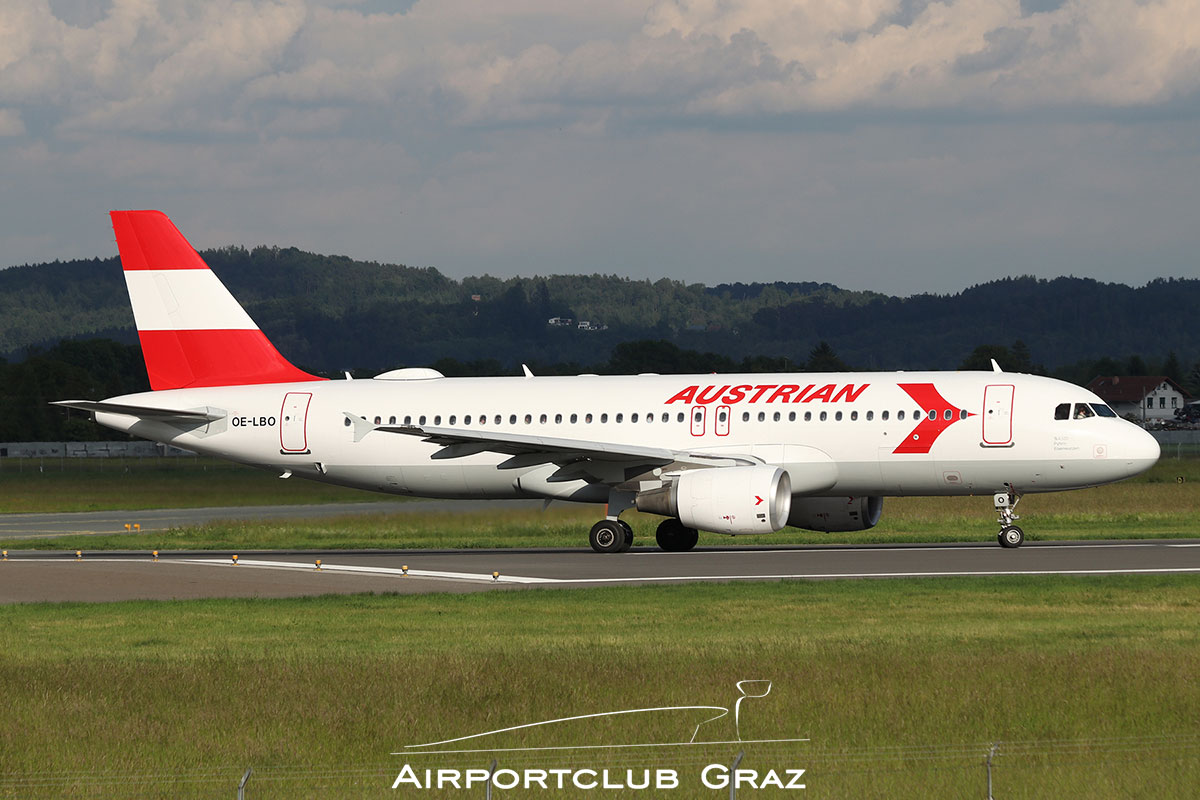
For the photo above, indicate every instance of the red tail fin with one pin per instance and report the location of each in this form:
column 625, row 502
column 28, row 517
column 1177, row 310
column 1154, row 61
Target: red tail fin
column 193, row 332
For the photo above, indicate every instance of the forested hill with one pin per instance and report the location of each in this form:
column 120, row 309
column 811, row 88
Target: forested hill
column 330, row 313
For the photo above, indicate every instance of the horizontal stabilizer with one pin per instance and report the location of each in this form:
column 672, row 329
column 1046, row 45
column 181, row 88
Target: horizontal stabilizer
column 143, row 412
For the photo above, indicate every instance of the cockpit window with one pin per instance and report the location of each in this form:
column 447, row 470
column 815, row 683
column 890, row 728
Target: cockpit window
column 1062, row 411
column 1083, row 411
column 1103, row 410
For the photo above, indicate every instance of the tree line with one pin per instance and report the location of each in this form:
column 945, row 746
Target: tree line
column 94, row 369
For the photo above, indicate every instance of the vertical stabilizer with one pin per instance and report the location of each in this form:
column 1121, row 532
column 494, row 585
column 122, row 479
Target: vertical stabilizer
column 193, row 332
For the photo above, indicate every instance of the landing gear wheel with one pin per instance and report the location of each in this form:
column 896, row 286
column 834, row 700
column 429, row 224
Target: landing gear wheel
column 1011, row 536
column 675, row 537
column 628, row 535
column 608, row 536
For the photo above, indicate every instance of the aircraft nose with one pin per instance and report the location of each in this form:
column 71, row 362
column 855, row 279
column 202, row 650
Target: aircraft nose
column 1139, row 450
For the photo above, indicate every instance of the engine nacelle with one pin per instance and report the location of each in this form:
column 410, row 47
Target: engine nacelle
column 835, row 513
column 724, row 499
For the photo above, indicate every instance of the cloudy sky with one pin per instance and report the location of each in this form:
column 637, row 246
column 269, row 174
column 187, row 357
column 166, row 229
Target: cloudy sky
column 897, row 145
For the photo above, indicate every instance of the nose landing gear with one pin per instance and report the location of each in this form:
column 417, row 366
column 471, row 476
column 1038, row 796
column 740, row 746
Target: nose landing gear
column 1006, row 503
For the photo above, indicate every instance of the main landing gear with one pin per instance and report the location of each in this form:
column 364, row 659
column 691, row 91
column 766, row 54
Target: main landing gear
column 675, row 537
column 611, row 536
column 1006, row 503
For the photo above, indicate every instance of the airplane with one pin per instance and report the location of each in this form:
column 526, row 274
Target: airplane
column 732, row 454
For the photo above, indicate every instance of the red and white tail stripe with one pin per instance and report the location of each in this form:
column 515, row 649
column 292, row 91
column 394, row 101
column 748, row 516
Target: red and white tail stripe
column 193, row 332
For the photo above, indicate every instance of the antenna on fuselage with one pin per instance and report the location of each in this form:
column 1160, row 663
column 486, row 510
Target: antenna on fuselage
column 995, row 366
column 528, row 372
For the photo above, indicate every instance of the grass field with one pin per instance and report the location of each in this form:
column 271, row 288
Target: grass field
column 1155, row 505
column 1090, row 685
column 106, row 484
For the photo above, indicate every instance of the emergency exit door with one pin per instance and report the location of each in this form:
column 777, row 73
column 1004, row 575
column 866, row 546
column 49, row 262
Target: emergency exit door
column 293, row 422
column 997, row 415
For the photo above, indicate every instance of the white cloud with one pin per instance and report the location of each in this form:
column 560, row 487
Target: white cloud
column 642, row 138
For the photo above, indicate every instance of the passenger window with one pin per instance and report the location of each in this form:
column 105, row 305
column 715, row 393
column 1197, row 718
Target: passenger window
column 512, row 419
column 391, row 420
column 633, row 417
column 1062, row 411
column 588, row 418
column 762, row 416
column 558, row 419
column 620, row 417
column 421, row 420
column 824, row 416
column 883, row 416
column 679, row 417
column 962, row 414
column 437, row 419
column 574, row 418
column 808, row 416
column 870, row 416
column 900, row 416
column 467, row 419
column 347, row 422
column 745, row 416
column 948, row 415
column 776, row 417
column 378, row 420
column 791, row 416
column 452, row 418
column 604, row 417
column 721, row 417
column 650, row 417
column 853, row 416
column 528, row 419
column 666, row 416
column 838, row 416
column 497, row 419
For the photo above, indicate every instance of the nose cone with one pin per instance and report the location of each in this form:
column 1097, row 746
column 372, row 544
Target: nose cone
column 1137, row 451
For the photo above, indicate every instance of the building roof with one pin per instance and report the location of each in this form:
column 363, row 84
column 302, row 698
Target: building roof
column 1130, row 388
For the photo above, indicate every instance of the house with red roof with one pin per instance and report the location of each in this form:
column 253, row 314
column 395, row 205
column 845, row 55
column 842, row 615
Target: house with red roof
column 1146, row 397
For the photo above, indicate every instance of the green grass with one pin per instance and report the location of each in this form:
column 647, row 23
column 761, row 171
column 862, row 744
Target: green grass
column 1155, row 505
column 302, row 689
column 107, row 484
column 1152, row 506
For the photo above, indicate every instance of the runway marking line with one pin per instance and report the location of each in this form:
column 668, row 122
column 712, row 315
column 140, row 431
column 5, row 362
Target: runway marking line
column 412, row 573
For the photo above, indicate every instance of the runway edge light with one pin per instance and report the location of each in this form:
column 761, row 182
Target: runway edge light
column 235, row 559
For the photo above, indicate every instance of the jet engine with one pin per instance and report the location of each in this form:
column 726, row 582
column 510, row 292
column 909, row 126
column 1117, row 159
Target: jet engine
column 724, row 499
column 835, row 513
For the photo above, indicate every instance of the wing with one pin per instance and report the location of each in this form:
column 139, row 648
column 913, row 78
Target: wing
column 608, row 462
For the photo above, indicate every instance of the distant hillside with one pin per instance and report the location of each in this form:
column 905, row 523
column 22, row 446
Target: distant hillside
column 331, row 313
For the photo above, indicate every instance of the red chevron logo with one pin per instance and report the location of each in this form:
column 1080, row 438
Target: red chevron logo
column 937, row 408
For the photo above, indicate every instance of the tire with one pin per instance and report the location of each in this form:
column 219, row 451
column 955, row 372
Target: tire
column 628, row 536
column 607, row 536
column 1011, row 536
column 675, row 537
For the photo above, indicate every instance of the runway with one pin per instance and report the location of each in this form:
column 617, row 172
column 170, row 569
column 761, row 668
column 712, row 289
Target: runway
column 30, row 577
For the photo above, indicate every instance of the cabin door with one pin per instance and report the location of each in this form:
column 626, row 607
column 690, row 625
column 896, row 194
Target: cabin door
column 293, row 422
column 997, row 415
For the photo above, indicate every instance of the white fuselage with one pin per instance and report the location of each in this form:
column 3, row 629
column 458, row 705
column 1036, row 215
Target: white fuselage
column 838, row 434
